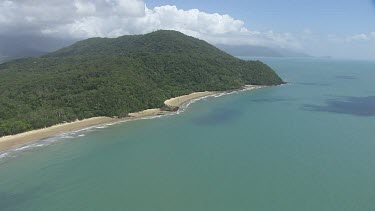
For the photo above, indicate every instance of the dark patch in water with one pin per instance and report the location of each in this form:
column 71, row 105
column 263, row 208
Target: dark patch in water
column 219, row 116
column 358, row 106
column 346, row 77
column 9, row 200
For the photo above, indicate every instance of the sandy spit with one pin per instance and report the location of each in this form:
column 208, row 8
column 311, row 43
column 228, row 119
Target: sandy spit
column 14, row 141
column 181, row 100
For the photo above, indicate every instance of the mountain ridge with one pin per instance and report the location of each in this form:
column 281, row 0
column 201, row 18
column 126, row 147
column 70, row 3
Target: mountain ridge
column 117, row 76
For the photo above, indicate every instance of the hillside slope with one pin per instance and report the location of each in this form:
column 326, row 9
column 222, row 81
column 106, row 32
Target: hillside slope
column 113, row 77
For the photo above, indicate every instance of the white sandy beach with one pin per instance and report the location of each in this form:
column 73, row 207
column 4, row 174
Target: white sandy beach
column 13, row 141
column 8, row 142
column 179, row 101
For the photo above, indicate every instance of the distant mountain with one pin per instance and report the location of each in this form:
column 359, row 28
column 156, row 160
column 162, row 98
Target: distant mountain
column 12, row 53
column 291, row 53
column 113, row 77
column 23, row 46
column 259, row 51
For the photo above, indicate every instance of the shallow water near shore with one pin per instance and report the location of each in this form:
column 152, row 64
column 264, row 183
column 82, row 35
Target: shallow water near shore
column 307, row 145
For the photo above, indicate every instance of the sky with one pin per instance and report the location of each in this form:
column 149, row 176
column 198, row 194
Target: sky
column 337, row 28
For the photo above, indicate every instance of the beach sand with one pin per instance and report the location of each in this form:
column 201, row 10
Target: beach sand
column 8, row 142
column 14, row 141
column 181, row 100
column 146, row 113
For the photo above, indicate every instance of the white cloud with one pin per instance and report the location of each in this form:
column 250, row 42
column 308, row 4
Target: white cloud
column 85, row 8
column 135, row 8
column 111, row 18
column 358, row 37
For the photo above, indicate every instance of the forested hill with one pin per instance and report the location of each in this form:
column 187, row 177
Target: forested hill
column 116, row 76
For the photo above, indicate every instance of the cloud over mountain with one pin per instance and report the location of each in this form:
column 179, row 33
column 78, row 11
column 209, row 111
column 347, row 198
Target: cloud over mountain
column 80, row 19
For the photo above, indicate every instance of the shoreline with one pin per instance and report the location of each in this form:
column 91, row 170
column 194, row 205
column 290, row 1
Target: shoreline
column 19, row 140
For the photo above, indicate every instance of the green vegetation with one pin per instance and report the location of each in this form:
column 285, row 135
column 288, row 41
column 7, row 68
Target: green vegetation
column 113, row 77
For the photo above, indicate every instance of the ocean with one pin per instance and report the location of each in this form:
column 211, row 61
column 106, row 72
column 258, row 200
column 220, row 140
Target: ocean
column 305, row 146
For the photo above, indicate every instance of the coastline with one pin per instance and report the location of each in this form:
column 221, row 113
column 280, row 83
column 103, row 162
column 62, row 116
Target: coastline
column 19, row 140
column 13, row 141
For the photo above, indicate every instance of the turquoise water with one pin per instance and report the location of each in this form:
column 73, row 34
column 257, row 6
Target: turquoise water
column 308, row 145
